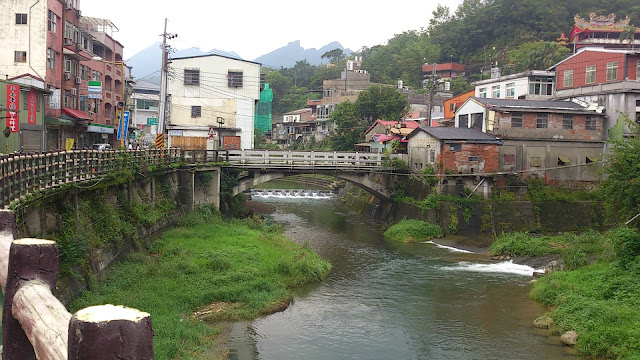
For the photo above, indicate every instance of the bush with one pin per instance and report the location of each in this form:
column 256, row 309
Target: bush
column 626, row 244
column 408, row 231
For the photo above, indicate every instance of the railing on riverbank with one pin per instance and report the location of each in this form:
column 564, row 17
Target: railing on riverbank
column 23, row 174
column 35, row 324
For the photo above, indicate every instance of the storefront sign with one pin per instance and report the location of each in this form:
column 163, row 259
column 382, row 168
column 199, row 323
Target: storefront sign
column 69, row 144
column 102, row 129
column 13, row 102
column 54, row 99
column 31, row 114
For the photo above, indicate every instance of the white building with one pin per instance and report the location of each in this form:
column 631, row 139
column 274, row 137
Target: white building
column 530, row 85
column 145, row 97
column 212, row 91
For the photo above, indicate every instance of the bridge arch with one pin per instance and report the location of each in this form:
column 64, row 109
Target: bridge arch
column 378, row 184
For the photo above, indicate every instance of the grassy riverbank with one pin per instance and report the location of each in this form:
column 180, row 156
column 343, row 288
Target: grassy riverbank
column 408, row 231
column 207, row 269
column 598, row 293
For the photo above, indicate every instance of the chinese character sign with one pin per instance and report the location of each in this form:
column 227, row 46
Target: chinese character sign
column 13, row 100
column 31, row 115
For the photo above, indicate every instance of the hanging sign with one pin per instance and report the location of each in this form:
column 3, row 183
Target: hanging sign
column 31, row 114
column 13, row 100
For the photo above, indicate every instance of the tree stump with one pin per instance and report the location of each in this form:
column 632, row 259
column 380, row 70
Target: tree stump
column 109, row 332
column 29, row 259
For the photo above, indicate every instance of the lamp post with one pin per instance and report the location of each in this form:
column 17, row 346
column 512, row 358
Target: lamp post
column 120, row 112
column 220, row 121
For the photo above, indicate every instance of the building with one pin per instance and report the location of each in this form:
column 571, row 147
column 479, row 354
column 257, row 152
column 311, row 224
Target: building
column 601, row 31
column 145, row 103
column 530, row 85
column 24, row 129
column 213, row 94
column 446, row 71
column 607, row 77
column 451, row 105
column 539, row 135
column 347, row 88
column 382, row 135
column 51, row 40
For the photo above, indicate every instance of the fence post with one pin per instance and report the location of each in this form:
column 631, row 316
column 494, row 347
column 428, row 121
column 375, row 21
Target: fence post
column 29, row 259
column 108, row 332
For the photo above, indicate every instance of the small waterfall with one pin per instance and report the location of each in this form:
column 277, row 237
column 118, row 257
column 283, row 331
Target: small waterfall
column 291, row 193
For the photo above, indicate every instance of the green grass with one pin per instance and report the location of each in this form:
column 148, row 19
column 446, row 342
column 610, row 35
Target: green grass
column 245, row 268
column 407, row 231
column 601, row 302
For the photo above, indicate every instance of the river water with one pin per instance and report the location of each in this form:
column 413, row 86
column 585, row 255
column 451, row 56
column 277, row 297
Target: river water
column 385, row 301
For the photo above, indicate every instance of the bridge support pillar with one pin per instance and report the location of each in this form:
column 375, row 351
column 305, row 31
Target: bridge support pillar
column 186, row 184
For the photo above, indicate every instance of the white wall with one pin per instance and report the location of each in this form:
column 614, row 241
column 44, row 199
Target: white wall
column 16, row 37
column 468, row 108
column 521, row 88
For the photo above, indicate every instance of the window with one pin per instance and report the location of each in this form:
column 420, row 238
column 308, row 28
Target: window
column 51, row 59
column 463, row 121
column 542, row 121
column 20, row 56
column 590, row 123
column 192, row 76
column 452, row 107
column 516, row 120
column 541, row 85
column 612, row 71
column 196, row 111
column 52, row 21
column 563, row 160
column 477, row 120
column 483, row 92
column 68, row 30
column 495, row 91
column 455, row 147
column 21, row 19
column 234, row 78
column 84, row 72
column 96, row 76
column 472, row 158
column 638, row 70
column 147, row 104
column 511, row 90
column 567, row 122
column 567, row 81
column 432, row 156
column 71, row 66
column 590, row 76
column 96, row 106
column 25, row 104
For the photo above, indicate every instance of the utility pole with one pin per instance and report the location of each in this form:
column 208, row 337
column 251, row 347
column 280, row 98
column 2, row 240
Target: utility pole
column 432, row 85
column 163, row 89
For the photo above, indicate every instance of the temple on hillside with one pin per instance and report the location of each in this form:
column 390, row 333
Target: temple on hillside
column 602, row 31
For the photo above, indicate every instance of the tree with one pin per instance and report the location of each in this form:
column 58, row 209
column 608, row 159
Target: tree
column 629, row 33
column 538, row 55
column 381, row 102
column 622, row 184
column 334, row 56
column 350, row 127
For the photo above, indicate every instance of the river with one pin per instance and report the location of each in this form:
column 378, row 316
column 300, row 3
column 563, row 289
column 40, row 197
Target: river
column 386, row 301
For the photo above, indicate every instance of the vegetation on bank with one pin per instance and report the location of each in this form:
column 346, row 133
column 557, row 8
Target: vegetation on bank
column 408, row 231
column 207, row 269
column 598, row 293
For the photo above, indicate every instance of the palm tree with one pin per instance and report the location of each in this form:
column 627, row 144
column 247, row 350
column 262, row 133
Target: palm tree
column 628, row 33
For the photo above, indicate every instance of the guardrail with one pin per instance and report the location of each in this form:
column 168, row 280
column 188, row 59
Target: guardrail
column 306, row 159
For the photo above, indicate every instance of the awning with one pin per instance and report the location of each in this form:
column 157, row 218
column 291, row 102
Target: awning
column 80, row 115
column 57, row 121
column 565, row 160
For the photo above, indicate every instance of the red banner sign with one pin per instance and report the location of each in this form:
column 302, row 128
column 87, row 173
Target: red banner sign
column 31, row 115
column 13, row 102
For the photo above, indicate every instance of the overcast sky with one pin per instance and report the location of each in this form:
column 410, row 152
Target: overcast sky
column 253, row 28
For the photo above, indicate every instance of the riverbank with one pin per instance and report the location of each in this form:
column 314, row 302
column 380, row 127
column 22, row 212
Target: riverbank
column 205, row 271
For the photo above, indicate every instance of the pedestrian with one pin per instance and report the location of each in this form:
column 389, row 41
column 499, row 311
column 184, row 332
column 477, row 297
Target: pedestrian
column 130, row 146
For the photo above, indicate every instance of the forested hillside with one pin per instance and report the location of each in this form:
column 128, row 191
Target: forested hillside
column 517, row 34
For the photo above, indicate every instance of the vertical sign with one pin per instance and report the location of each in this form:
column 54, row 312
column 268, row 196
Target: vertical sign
column 31, row 114
column 13, row 100
column 125, row 125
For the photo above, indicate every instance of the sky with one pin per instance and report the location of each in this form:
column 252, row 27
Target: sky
column 254, row 28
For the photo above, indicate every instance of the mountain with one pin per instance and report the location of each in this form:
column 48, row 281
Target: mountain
column 146, row 63
column 287, row 56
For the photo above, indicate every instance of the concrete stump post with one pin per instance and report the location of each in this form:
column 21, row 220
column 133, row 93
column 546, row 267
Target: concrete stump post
column 109, row 332
column 29, row 259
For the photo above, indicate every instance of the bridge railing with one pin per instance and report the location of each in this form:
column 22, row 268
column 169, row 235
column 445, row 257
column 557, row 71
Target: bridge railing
column 21, row 174
column 315, row 159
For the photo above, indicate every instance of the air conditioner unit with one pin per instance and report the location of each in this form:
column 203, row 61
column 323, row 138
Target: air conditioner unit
column 78, row 13
column 67, row 76
column 68, row 42
column 78, row 80
column 74, row 92
column 68, row 5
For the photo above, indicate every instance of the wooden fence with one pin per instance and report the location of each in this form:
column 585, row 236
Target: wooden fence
column 35, row 325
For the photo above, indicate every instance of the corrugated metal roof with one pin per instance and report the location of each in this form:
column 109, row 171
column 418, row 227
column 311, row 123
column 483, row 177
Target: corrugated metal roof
column 513, row 104
column 459, row 134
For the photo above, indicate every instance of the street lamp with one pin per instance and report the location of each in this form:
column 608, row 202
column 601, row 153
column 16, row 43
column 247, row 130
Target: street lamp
column 121, row 65
column 220, row 121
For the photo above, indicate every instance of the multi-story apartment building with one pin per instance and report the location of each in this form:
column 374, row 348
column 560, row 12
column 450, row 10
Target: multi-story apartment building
column 52, row 41
column 608, row 77
column 530, row 85
column 213, row 94
column 145, row 104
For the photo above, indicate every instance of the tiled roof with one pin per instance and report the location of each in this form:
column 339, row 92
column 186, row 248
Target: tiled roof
column 459, row 134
